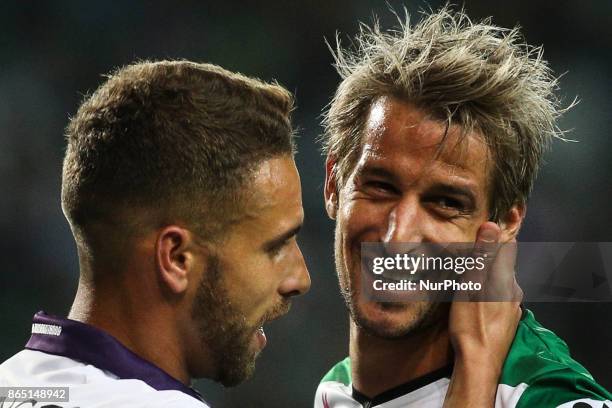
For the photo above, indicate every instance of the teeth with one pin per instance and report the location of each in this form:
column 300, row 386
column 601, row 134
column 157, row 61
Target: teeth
column 397, row 275
column 261, row 330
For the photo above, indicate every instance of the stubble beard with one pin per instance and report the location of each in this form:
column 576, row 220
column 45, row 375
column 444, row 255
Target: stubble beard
column 223, row 328
column 423, row 316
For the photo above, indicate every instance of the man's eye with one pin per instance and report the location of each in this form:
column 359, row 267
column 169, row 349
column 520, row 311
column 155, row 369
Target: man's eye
column 448, row 203
column 275, row 250
column 380, row 186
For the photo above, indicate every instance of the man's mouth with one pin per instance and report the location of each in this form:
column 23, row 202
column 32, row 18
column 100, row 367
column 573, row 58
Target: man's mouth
column 397, row 276
column 260, row 335
column 390, row 275
column 274, row 314
column 413, row 266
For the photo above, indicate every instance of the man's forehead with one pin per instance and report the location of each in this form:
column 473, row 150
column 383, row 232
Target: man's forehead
column 449, row 157
column 274, row 192
column 271, row 203
column 400, row 134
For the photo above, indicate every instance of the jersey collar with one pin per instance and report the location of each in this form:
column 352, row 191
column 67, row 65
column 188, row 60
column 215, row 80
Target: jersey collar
column 403, row 389
column 89, row 345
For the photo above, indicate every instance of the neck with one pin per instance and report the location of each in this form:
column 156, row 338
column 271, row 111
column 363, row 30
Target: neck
column 380, row 364
column 141, row 326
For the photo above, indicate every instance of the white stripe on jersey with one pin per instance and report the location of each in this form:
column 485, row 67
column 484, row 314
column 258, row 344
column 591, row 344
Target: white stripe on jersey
column 88, row 386
column 333, row 394
column 507, row 396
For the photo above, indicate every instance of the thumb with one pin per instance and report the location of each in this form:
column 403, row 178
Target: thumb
column 485, row 249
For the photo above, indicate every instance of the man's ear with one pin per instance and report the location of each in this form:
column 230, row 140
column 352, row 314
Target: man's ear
column 175, row 258
column 330, row 192
column 510, row 223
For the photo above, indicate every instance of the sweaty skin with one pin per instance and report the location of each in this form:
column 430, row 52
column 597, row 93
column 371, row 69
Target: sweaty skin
column 405, row 188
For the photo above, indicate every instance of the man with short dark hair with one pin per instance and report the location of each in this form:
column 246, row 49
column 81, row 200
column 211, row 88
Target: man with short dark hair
column 184, row 201
column 183, row 197
column 434, row 137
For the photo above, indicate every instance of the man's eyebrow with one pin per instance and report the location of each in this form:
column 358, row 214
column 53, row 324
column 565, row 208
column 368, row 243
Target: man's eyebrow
column 285, row 236
column 454, row 189
column 438, row 187
column 375, row 171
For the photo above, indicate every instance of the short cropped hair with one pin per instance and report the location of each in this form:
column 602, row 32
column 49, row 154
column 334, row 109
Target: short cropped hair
column 172, row 138
column 480, row 76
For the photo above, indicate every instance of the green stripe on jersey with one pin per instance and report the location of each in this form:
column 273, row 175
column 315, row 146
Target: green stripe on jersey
column 341, row 372
column 542, row 360
column 537, row 358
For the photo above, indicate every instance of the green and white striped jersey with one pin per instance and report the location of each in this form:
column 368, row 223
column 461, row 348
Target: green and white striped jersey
column 538, row 372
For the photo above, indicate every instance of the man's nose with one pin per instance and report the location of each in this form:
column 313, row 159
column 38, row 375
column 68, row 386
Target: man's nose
column 297, row 282
column 404, row 222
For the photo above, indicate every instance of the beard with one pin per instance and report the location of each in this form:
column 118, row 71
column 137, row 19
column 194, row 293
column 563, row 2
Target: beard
column 423, row 317
column 420, row 316
column 224, row 329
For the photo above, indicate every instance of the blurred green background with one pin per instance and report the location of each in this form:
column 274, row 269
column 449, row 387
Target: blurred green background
column 54, row 52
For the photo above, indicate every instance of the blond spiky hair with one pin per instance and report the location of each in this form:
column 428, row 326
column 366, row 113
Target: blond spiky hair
column 480, row 76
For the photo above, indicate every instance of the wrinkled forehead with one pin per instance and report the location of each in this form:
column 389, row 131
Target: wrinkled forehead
column 401, row 133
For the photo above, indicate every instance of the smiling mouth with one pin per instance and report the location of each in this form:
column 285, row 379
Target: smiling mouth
column 397, row 276
column 389, row 275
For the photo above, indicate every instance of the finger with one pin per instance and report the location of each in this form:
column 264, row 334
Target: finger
column 518, row 293
column 484, row 252
column 501, row 280
column 486, row 239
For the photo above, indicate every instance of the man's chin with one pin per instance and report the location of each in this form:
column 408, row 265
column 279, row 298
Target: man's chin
column 392, row 320
column 235, row 378
column 236, row 356
column 236, row 370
